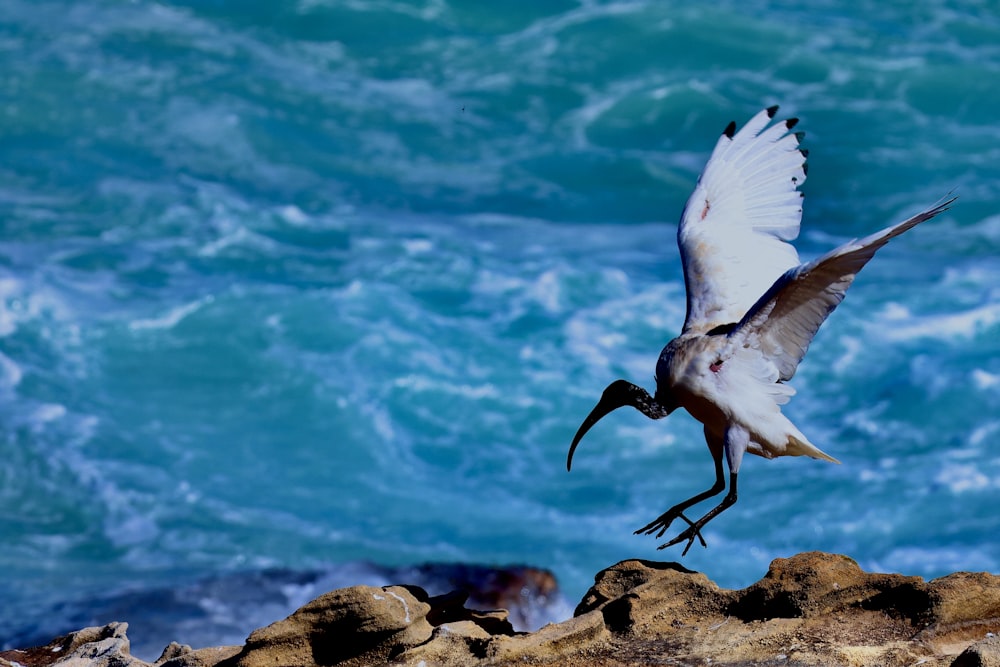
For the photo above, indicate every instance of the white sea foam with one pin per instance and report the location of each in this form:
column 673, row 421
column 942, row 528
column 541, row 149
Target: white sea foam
column 426, row 384
column 852, row 346
column 956, row 325
column 9, row 289
column 418, row 246
column 48, row 412
column 21, row 301
column 10, row 372
column 294, row 215
column 984, row 379
column 982, row 434
column 172, row 317
column 965, row 477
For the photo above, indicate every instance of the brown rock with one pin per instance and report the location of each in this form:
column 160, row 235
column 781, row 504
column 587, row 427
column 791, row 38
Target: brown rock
column 106, row 646
column 173, row 650
column 524, row 591
column 359, row 623
column 985, row 653
column 451, row 607
column 622, row 578
column 457, row 643
column 203, row 657
column 810, row 609
column 965, row 605
column 556, row 642
column 636, row 597
column 813, row 608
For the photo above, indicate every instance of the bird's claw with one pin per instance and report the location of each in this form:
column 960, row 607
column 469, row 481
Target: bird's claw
column 690, row 534
column 662, row 523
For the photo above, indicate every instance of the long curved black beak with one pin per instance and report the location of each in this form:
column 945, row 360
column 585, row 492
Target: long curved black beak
column 618, row 394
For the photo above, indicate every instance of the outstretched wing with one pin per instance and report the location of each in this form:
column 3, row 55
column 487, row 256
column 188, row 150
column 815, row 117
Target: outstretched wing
column 783, row 322
column 735, row 228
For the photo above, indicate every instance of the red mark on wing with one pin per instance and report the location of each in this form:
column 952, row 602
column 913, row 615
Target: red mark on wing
column 704, row 211
column 716, row 367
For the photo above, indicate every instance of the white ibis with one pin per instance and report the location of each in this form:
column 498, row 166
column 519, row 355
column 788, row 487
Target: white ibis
column 752, row 309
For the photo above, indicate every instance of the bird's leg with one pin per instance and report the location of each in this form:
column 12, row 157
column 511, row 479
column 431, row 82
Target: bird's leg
column 736, row 440
column 662, row 523
column 694, row 531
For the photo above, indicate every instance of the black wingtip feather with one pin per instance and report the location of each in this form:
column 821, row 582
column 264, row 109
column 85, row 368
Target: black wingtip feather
column 799, row 136
column 772, row 110
column 722, row 329
column 730, row 129
column 804, row 151
column 791, row 122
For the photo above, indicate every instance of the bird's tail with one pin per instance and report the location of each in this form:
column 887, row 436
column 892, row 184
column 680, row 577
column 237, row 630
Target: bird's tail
column 802, row 447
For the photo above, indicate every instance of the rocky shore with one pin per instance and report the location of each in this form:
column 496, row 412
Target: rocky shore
column 811, row 609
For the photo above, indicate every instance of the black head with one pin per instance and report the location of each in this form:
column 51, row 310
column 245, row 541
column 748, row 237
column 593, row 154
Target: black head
column 618, row 394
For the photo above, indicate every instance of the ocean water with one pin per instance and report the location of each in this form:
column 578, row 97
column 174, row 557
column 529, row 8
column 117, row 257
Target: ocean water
column 298, row 284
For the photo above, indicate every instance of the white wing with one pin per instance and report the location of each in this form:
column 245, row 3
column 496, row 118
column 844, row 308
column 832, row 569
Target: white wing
column 735, row 227
column 783, row 322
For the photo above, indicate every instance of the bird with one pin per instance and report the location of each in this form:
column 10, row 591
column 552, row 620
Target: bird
column 752, row 310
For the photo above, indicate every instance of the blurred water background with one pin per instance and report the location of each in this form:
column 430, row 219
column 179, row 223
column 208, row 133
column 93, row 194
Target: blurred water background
column 297, row 284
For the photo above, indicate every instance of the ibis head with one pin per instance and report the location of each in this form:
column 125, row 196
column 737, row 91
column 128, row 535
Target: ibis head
column 619, row 394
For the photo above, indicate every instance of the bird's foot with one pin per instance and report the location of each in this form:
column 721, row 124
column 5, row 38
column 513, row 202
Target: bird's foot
column 690, row 534
column 662, row 523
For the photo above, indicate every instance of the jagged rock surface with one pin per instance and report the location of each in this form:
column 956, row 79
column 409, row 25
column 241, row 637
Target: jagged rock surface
column 107, row 646
column 811, row 609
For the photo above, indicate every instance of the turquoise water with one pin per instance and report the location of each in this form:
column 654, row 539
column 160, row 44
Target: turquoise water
column 294, row 284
